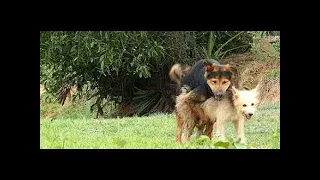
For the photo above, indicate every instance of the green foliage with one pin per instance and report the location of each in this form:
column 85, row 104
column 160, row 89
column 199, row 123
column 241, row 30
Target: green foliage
column 262, row 49
column 78, row 57
column 116, row 65
column 73, row 110
column 55, row 110
column 47, row 97
column 50, row 109
column 145, row 100
column 274, row 74
column 207, row 143
column 111, row 61
column 222, row 49
column 276, row 46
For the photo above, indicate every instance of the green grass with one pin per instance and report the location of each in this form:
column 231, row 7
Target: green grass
column 274, row 74
column 156, row 131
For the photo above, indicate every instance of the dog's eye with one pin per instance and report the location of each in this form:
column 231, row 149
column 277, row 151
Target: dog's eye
column 214, row 82
column 224, row 82
column 244, row 105
column 252, row 104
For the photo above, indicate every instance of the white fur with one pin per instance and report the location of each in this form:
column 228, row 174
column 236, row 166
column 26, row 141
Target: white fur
column 232, row 111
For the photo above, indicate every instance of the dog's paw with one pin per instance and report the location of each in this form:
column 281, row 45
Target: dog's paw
column 220, row 138
column 243, row 141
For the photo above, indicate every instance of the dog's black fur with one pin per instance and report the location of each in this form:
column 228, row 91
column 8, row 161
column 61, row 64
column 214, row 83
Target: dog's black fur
column 195, row 81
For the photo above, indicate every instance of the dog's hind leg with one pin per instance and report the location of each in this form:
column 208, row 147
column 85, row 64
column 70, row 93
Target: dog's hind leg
column 209, row 129
column 199, row 116
column 186, row 116
column 188, row 127
column 179, row 128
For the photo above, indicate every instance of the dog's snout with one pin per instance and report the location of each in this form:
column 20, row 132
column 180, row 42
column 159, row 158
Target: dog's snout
column 250, row 114
column 218, row 96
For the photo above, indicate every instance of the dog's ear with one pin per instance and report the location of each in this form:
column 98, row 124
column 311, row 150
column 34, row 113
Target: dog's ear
column 256, row 93
column 207, row 65
column 233, row 70
column 210, row 66
column 256, row 90
column 227, row 67
column 235, row 93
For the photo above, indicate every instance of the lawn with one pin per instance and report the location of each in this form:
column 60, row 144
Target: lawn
column 152, row 132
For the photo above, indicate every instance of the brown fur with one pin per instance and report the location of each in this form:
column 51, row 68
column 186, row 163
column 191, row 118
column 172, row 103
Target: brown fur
column 185, row 118
column 211, row 67
column 177, row 71
column 218, row 77
column 220, row 84
column 179, row 127
column 190, row 115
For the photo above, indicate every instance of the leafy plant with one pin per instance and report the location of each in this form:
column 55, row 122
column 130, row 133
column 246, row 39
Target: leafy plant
column 219, row 52
column 205, row 142
column 262, row 49
column 111, row 63
column 274, row 74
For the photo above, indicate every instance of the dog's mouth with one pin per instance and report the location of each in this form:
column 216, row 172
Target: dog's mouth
column 247, row 116
column 218, row 97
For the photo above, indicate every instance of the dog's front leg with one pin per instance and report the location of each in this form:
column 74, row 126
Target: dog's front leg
column 220, row 134
column 240, row 130
column 200, row 129
column 236, row 128
column 209, row 129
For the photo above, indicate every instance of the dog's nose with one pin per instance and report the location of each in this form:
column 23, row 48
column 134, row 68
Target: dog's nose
column 250, row 114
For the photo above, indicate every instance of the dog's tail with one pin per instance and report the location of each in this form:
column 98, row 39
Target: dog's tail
column 177, row 71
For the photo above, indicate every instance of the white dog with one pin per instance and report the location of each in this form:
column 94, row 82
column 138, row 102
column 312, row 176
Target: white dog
column 237, row 109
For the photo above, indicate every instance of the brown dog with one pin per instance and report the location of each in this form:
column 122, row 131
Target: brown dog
column 207, row 78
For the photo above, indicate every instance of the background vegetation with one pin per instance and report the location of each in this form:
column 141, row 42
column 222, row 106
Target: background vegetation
column 128, row 71
column 120, row 74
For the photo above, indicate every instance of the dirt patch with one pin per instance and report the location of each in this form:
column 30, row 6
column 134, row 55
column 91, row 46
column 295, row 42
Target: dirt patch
column 237, row 59
column 255, row 71
column 270, row 91
column 49, row 115
column 248, row 73
column 238, row 62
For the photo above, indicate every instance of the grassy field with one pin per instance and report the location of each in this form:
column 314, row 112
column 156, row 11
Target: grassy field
column 153, row 132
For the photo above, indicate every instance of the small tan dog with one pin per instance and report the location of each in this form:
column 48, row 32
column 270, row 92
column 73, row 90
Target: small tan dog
column 241, row 107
